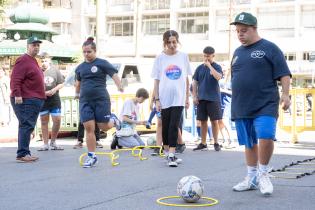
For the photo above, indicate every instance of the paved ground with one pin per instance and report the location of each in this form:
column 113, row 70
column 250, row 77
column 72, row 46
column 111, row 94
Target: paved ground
column 57, row 181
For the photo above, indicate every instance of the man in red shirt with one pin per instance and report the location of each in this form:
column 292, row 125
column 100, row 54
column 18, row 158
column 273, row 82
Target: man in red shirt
column 27, row 96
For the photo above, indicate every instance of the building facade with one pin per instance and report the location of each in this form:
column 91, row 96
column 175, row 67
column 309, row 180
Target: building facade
column 134, row 28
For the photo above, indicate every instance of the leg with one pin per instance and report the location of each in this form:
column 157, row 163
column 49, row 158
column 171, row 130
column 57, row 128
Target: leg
column 55, row 128
column 265, row 151
column 159, row 138
column 204, row 130
column 27, row 121
column 215, row 130
column 90, row 136
column 44, row 126
column 80, row 135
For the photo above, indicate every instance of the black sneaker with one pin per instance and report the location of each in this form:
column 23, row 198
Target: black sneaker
column 156, row 152
column 180, row 148
column 217, row 147
column 148, row 125
column 200, row 146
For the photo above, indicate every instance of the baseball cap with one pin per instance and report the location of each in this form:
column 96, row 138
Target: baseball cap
column 33, row 39
column 245, row 18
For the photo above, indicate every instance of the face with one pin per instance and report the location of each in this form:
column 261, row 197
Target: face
column 140, row 100
column 88, row 53
column 208, row 57
column 171, row 44
column 33, row 49
column 246, row 34
column 45, row 63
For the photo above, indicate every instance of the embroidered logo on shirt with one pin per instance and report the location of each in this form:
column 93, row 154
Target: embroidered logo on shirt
column 94, row 69
column 257, row 54
column 173, row 72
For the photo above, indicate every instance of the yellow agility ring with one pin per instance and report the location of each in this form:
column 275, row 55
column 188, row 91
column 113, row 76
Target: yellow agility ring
column 212, row 203
column 128, row 149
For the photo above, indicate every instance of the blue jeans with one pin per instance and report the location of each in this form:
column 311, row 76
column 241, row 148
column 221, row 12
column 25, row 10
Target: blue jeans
column 27, row 114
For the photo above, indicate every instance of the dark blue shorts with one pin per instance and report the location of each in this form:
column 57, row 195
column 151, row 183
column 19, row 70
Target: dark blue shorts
column 250, row 130
column 98, row 110
column 211, row 109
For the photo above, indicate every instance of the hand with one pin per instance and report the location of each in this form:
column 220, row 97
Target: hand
column 18, row 100
column 158, row 106
column 121, row 89
column 196, row 100
column 285, row 101
column 187, row 104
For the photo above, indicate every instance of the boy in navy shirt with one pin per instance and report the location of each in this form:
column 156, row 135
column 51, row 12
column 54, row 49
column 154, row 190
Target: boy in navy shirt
column 206, row 95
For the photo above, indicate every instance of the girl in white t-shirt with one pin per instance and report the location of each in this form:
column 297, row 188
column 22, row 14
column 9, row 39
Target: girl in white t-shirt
column 170, row 73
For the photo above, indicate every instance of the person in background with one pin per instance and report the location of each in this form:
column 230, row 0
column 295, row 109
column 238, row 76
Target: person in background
column 206, row 95
column 4, row 98
column 170, row 73
column 80, row 136
column 52, row 105
column 94, row 99
column 27, row 96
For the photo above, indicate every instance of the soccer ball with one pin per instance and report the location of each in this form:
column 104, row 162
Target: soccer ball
column 190, row 188
column 151, row 141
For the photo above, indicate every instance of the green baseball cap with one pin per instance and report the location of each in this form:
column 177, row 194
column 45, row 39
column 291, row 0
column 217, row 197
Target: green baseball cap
column 246, row 19
column 33, row 39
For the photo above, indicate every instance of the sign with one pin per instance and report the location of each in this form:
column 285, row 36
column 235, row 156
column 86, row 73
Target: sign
column 312, row 56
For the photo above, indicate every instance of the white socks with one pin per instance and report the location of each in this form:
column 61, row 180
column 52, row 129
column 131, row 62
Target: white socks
column 251, row 171
column 263, row 168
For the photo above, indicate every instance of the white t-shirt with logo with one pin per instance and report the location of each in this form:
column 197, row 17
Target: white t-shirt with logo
column 131, row 110
column 172, row 71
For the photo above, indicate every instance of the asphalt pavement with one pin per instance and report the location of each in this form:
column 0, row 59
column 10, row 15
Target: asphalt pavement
column 57, row 181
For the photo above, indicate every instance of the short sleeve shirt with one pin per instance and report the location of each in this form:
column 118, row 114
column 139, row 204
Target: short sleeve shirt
column 172, row 72
column 131, row 110
column 208, row 86
column 255, row 71
column 92, row 77
column 52, row 78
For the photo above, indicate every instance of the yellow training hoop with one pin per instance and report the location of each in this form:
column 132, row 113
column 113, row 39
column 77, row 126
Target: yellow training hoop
column 214, row 202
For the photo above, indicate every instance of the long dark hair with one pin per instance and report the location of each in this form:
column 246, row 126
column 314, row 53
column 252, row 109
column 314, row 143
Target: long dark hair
column 168, row 34
column 90, row 41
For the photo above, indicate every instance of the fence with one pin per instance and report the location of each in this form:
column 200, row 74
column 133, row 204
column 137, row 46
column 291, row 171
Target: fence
column 301, row 115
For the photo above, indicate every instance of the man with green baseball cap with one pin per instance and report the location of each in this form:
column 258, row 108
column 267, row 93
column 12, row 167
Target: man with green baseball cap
column 246, row 19
column 256, row 67
column 33, row 39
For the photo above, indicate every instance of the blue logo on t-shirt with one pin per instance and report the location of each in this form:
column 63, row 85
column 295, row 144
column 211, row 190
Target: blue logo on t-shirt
column 173, row 72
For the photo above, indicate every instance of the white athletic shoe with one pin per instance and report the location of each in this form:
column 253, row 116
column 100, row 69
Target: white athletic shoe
column 247, row 184
column 265, row 185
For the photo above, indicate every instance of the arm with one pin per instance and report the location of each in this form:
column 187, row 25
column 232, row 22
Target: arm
column 217, row 75
column 156, row 94
column 54, row 90
column 126, row 118
column 187, row 93
column 285, row 99
column 77, row 89
column 194, row 92
column 118, row 83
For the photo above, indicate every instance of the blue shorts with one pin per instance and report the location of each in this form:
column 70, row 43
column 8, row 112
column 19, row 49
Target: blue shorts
column 98, row 110
column 250, row 130
column 56, row 112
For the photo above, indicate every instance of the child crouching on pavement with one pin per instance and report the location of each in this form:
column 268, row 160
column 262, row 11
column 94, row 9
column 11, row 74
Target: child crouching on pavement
column 127, row 136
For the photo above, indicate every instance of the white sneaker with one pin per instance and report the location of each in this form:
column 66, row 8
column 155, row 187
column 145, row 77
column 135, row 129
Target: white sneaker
column 171, row 160
column 90, row 162
column 247, row 184
column 265, row 185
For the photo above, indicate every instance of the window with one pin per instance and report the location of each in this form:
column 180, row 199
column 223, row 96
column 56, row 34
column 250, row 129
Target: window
column 120, row 26
column 194, row 3
column 308, row 16
column 61, row 28
column 121, row 2
column 193, row 22
column 276, row 18
column 92, row 27
column 306, row 56
column 155, row 24
column 290, row 56
column 57, row 3
column 156, row 4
